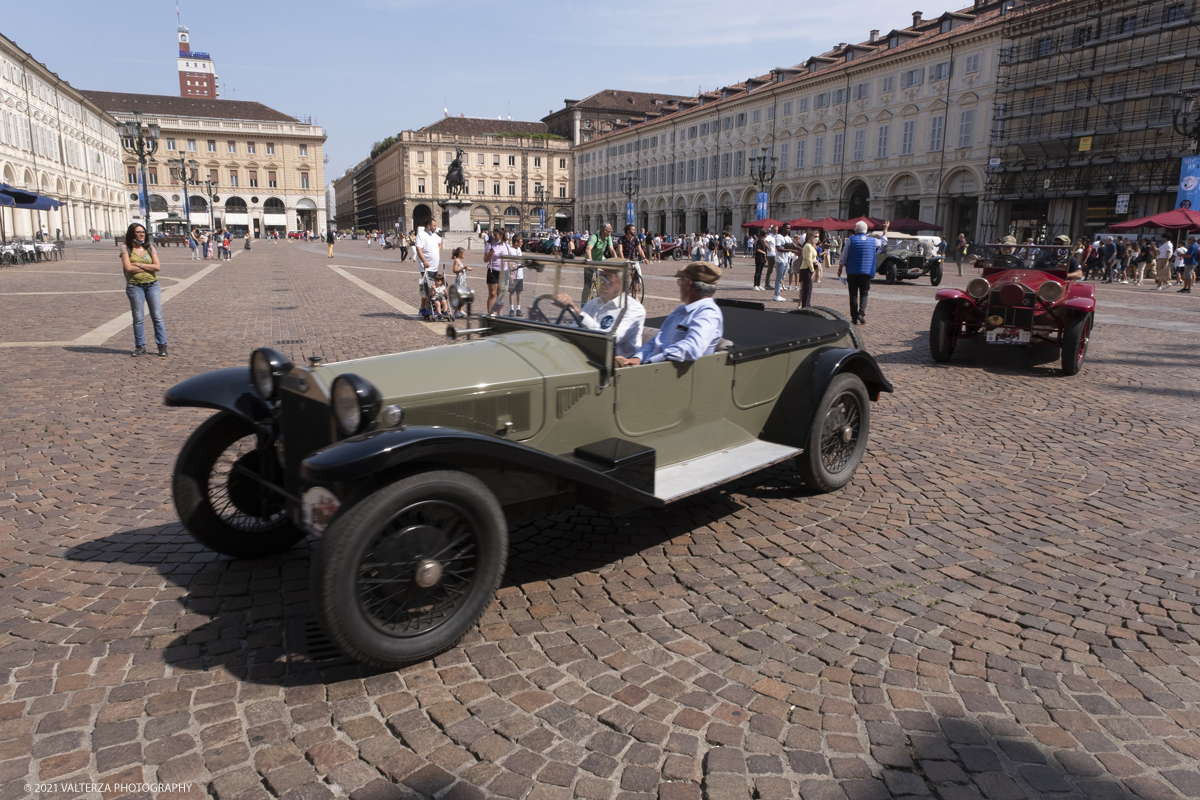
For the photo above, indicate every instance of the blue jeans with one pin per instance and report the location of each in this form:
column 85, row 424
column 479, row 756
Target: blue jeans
column 152, row 296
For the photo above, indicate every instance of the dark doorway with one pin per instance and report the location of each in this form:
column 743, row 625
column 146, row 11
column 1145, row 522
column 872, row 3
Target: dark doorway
column 962, row 214
column 908, row 209
column 859, row 203
column 1028, row 219
column 421, row 216
column 704, row 222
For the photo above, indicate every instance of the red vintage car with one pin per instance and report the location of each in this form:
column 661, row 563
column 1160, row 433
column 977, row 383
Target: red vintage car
column 1023, row 298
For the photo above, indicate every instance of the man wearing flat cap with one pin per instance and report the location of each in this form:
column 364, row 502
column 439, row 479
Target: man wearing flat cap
column 1064, row 260
column 692, row 330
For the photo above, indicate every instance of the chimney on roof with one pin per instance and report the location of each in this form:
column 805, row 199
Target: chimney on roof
column 874, row 36
column 916, row 18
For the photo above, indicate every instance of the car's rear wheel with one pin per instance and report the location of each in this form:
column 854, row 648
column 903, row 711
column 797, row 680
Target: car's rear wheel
column 216, row 496
column 677, row 253
column 943, row 331
column 838, row 437
column 402, row 575
column 935, row 274
column 889, row 272
column 1075, row 342
column 828, row 313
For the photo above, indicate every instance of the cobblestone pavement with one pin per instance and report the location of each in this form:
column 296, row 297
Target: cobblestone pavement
column 1002, row 604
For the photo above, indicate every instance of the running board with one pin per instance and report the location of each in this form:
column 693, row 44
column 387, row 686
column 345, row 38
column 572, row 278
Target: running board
column 691, row 477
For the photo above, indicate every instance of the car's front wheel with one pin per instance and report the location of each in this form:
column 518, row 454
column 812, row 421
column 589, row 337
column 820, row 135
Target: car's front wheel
column 677, row 254
column 838, row 437
column 943, row 331
column 217, row 497
column 1075, row 342
column 935, row 274
column 889, row 272
column 402, row 575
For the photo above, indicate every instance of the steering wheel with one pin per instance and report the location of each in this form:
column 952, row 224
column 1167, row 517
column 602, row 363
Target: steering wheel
column 537, row 315
column 1007, row 261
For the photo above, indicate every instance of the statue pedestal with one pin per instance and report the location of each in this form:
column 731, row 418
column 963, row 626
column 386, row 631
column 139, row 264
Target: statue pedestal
column 460, row 215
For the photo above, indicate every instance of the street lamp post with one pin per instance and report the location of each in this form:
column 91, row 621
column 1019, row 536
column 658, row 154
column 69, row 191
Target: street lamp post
column 141, row 142
column 629, row 188
column 762, row 172
column 184, row 172
column 1182, row 106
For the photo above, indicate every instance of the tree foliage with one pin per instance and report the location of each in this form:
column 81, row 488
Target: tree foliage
column 379, row 147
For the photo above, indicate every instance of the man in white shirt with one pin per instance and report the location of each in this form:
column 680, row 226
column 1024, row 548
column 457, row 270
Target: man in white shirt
column 601, row 312
column 429, row 254
column 770, row 239
column 1162, row 267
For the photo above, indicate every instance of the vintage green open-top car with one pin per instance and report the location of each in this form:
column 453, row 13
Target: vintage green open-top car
column 412, row 466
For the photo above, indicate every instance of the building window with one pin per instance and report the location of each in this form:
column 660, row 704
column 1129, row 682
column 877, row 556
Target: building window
column 191, row 145
column 495, row 159
column 906, row 138
column 233, row 177
column 888, row 85
column 839, row 147
column 819, row 151
column 787, row 108
column 562, row 190
column 449, row 157
column 937, row 130
column 972, row 65
column 253, row 179
column 212, row 145
column 479, row 159
column 785, row 152
column 860, row 143
column 420, row 186
column 536, row 188
column 966, row 128
column 770, row 112
column 303, row 151
column 170, row 143
column 756, row 115
column 821, row 100
column 496, row 187
column 726, row 165
column 800, row 154
column 881, row 151
column 1129, row 25
column 741, row 119
column 480, row 187
column 270, row 148
column 231, row 147
column 727, row 123
column 893, row 42
column 1174, row 14
column 250, row 149
column 693, row 131
column 537, row 162
column 131, row 175
column 512, row 188
column 1045, row 47
column 303, row 180
column 739, row 162
column 940, row 72
column 862, row 90
column 839, row 97
column 562, row 163
column 512, row 161
column 420, row 156
column 271, row 182
column 946, row 25
column 691, row 170
column 913, row 77
column 802, row 105
column 152, row 176
column 212, row 177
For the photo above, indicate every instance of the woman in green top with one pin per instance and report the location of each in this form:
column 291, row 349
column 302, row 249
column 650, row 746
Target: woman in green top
column 807, row 269
column 140, row 262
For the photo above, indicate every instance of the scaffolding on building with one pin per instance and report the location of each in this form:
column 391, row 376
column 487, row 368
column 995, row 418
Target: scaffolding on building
column 1082, row 115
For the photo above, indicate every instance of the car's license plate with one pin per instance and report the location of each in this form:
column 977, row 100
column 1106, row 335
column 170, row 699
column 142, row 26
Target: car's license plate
column 1008, row 336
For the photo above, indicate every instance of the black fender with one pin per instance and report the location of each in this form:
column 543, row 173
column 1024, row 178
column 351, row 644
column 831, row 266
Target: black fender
column 225, row 390
column 368, row 454
column 792, row 417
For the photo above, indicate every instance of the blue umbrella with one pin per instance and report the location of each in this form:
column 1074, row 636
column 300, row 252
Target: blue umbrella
column 28, row 200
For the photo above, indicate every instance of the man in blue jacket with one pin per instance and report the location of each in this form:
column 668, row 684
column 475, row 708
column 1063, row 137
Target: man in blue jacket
column 859, row 256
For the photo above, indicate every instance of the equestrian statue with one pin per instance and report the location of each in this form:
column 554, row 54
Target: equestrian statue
column 454, row 176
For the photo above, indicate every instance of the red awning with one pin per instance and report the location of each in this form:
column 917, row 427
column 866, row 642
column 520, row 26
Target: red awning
column 1181, row 219
column 834, row 224
column 761, row 223
column 802, row 222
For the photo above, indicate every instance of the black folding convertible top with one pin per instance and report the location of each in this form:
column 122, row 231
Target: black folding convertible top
column 756, row 332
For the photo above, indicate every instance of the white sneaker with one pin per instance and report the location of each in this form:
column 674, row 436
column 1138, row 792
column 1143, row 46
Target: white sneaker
column 758, row 288
column 777, row 299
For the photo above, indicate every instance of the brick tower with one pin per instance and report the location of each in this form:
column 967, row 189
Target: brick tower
column 197, row 72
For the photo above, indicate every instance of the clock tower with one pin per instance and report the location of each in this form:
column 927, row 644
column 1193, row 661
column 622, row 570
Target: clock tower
column 197, row 72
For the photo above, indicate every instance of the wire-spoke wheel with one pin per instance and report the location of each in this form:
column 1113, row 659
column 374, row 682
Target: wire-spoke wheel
column 1075, row 342
column 838, row 437
column 218, row 495
column 401, row 576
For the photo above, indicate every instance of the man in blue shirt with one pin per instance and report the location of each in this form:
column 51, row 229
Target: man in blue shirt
column 693, row 329
column 859, row 257
column 1190, row 259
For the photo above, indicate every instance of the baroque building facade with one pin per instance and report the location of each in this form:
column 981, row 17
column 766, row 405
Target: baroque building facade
column 894, row 126
column 56, row 142
column 266, row 168
column 504, row 162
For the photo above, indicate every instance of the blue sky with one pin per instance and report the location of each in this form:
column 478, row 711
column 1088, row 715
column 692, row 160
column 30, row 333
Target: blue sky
column 365, row 69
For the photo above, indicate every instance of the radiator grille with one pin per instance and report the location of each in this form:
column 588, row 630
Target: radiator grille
column 568, row 396
column 485, row 413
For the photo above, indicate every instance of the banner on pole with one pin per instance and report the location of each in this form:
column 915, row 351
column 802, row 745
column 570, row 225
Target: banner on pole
column 1189, row 183
column 629, row 213
column 761, row 210
column 541, row 217
column 143, row 200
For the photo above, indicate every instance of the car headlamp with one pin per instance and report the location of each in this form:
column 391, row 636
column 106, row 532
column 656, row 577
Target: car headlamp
column 978, row 288
column 355, row 403
column 1050, row 291
column 267, row 368
column 460, row 296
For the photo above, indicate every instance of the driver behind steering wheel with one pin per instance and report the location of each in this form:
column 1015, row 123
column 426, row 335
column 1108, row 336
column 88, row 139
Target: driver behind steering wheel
column 601, row 312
